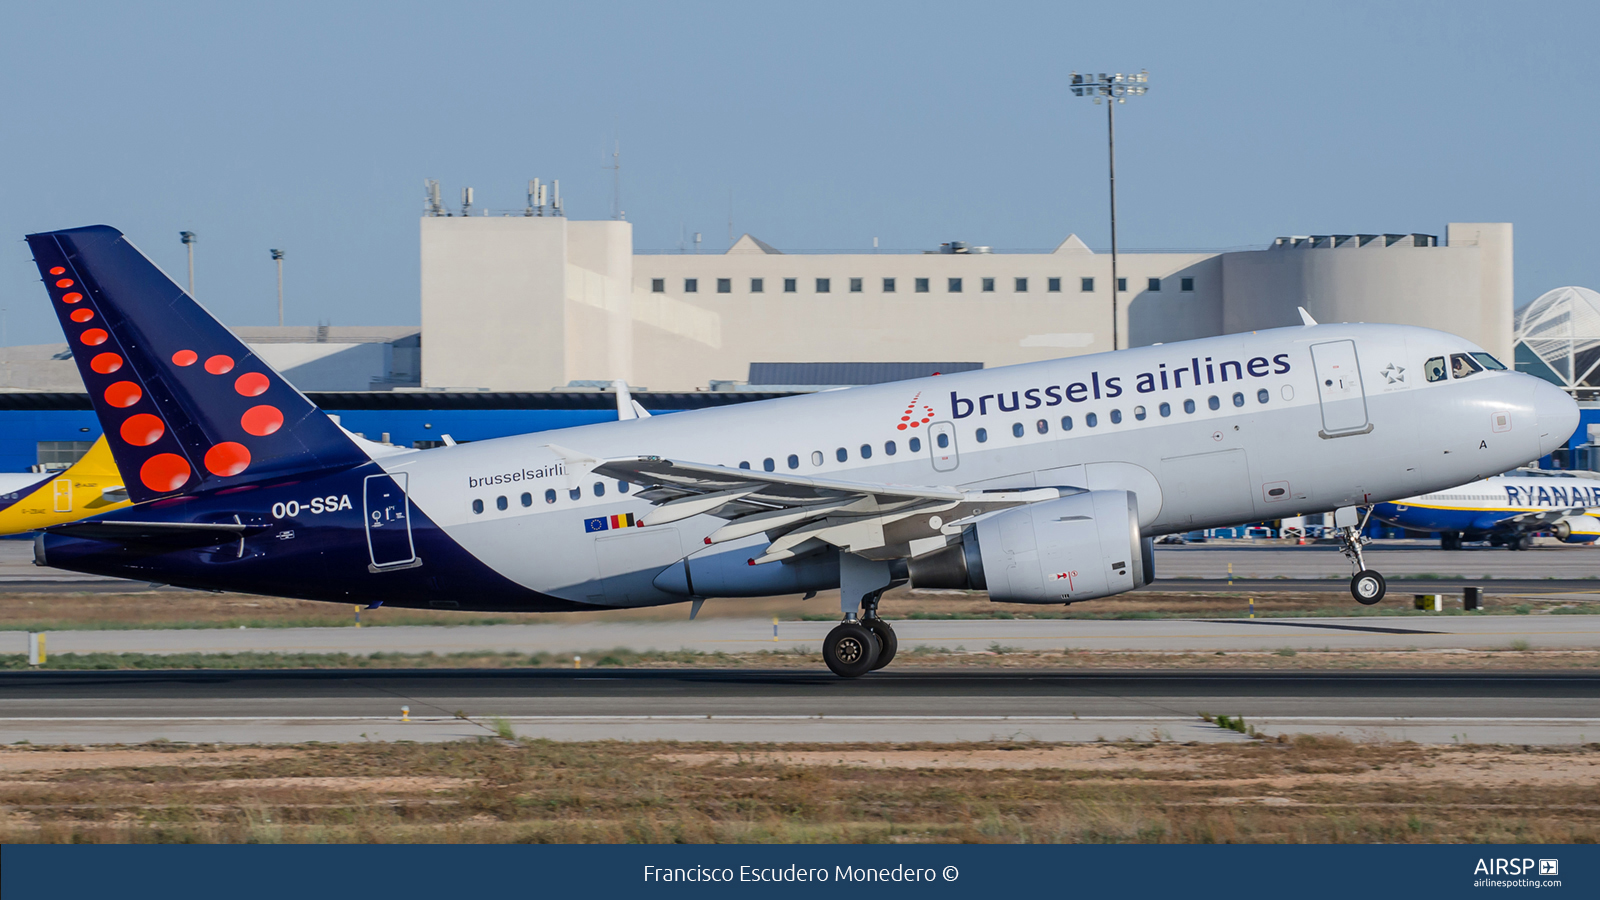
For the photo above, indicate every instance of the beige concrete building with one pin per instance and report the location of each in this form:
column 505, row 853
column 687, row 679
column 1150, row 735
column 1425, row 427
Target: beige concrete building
column 532, row 303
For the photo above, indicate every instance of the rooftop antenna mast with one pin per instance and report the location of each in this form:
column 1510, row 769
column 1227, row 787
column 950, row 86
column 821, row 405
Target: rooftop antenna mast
column 466, row 201
column 616, row 182
column 435, row 205
column 555, row 197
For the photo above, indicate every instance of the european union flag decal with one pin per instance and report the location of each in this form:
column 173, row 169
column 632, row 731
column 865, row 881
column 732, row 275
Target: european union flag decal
column 591, row 525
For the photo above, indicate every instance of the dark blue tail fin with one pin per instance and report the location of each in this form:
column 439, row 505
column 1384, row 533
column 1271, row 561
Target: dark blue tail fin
column 185, row 405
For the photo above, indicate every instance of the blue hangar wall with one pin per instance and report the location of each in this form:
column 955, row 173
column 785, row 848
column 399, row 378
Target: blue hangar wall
column 407, row 417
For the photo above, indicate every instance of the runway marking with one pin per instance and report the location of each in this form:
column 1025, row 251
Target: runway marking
column 795, row 718
column 1368, row 628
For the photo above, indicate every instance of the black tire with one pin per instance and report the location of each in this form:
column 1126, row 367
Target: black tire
column 1450, row 540
column 1368, row 587
column 850, row 649
column 887, row 642
column 1525, row 542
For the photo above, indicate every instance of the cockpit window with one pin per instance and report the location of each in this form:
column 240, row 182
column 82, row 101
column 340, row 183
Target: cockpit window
column 1462, row 365
column 1434, row 369
column 1489, row 362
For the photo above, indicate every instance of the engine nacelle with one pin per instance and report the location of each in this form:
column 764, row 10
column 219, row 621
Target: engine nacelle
column 1073, row 548
column 1577, row 529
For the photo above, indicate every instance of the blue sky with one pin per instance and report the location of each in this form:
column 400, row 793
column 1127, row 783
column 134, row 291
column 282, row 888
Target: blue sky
column 311, row 126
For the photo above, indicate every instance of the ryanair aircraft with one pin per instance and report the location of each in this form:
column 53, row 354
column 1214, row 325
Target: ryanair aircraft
column 91, row 486
column 1039, row 483
column 1507, row 510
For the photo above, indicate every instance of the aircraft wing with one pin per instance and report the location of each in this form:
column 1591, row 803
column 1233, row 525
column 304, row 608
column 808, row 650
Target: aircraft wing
column 801, row 514
column 1538, row 519
column 157, row 534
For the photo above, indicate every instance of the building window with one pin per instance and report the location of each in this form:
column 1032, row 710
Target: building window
column 794, row 461
column 982, row 435
column 758, row 285
column 1213, row 402
column 841, row 454
column 1053, row 285
column 824, row 285
column 1041, row 426
column 988, row 285
column 550, row 496
column 855, row 285
column 953, row 285
column 1086, row 285
column 888, row 285
column 1186, row 285
column 1020, row 285
column 527, row 499
column 769, row 465
column 1091, row 420
column 691, row 285
column 501, row 503
column 477, row 507
column 915, row 444
column 790, row 285
column 922, row 285
column 816, row 457
column 724, row 285
column 658, row 285
column 1153, row 285
column 866, row 451
column 1066, row 423
column 889, row 448
column 1122, row 285
column 55, row 455
column 1017, row 430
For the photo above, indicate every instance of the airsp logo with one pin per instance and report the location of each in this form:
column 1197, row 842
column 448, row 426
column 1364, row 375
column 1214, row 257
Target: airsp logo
column 1501, row 866
column 1549, row 867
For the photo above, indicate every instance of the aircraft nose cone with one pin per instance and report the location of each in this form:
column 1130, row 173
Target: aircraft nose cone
column 1557, row 413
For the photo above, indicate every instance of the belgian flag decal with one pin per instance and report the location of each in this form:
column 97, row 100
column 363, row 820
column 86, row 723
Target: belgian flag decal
column 623, row 521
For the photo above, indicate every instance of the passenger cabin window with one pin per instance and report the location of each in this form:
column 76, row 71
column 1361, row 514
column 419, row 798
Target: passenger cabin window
column 768, row 464
column 1213, row 402
column 550, row 496
column 1116, row 417
column 866, row 451
column 745, row 464
column 915, row 444
column 501, row 503
column 1188, row 406
column 1138, row 413
column 1238, row 399
column 983, row 436
column 1017, row 430
column 889, row 448
column 1434, row 369
column 527, row 499
column 1066, row 423
column 943, row 440
column 1042, row 426
column 1489, row 362
column 1166, row 410
column 841, row 454
column 794, row 461
column 1263, row 395
column 816, row 457
column 622, row 487
column 575, row 493
column 477, row 506
column 599, row 489
column 1091, row 420
column 1462, row 365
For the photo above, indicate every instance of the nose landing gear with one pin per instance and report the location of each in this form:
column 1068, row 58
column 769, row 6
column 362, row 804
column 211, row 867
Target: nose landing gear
column 1367, row 586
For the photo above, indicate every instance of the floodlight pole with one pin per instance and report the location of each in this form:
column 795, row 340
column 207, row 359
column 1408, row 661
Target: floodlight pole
column 1113, row 89
column 188, row 242
column 277, row 256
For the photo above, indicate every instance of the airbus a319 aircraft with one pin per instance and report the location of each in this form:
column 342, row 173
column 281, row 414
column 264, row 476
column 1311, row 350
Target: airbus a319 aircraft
column 1506, row 510
column 1039, row 483
column 90, row 486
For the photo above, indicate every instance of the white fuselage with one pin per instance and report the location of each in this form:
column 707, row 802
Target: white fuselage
column 1207, row 433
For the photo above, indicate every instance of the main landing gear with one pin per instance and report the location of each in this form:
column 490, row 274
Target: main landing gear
column 1367, row 586
column 862, row 642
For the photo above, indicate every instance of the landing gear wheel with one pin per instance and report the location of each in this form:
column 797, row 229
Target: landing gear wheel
column 1368, row 587
column 1524, row 542
column 850, row 650
column 887, row 642
column 1450, row 540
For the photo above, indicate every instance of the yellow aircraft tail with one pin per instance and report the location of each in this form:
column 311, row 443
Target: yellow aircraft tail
column 90, row 487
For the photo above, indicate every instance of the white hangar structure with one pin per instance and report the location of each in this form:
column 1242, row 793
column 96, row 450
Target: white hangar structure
column 531, row 303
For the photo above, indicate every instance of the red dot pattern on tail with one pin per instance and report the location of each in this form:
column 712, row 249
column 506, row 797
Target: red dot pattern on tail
column 227, row 458
column 142, row 430
column 123, row 394
column 261, row 420
column 82, row 315
column 72, row 297
column 251, row 384
column 219, row 365
column 185, row 358
column 164, row 472
column 106, row 363
column 57, row 270
column 94, row 337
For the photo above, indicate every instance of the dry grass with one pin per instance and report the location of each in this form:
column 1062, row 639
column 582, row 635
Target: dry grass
column 1310, row 790
column 198, row 609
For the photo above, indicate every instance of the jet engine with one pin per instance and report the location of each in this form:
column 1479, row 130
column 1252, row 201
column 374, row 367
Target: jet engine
column 1577, row 529
column 1077, row 547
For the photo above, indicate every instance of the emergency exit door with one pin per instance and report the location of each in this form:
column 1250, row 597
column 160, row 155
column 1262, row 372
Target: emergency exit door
column 942, row 446
column 1339, row 390
column 63, row 494
column 388, row 515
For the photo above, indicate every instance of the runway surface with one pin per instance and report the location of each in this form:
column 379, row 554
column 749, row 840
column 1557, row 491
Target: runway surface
column 91, row 707
column 710, row 635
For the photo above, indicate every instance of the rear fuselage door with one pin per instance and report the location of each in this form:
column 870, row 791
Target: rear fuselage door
column 388, row 516
column 63, row 494
column 1344, row 403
